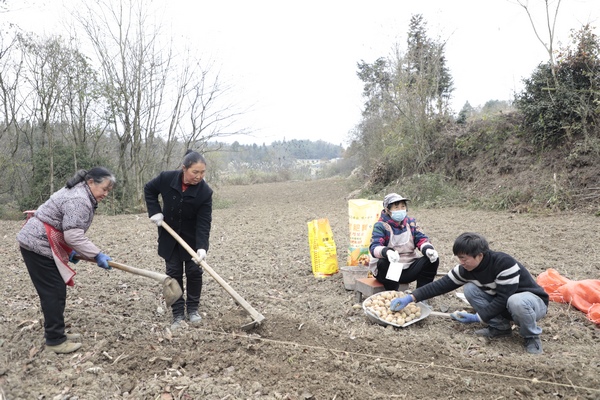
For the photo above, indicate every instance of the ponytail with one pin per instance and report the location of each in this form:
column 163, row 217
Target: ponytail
column 78, row 177
column 97, row 174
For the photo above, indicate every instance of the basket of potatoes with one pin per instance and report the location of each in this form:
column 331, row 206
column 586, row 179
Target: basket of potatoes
column 377, row 310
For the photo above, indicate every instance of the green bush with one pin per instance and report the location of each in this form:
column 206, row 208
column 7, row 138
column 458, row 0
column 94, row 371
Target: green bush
column 63, row 162
column 562, row 101
column 426, row 190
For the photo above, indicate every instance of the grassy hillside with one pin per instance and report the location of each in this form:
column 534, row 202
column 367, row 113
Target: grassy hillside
column 490, row 163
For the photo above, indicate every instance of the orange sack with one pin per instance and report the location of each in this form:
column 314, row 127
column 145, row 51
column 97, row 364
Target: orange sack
column 583, row 295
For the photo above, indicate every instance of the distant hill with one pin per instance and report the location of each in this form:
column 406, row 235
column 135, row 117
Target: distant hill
column 278, row 151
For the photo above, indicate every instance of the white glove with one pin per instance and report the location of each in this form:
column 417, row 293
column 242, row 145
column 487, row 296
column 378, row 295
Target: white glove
column 432, row 255
column 201, row 254
column 157, row 219
column 392, row 256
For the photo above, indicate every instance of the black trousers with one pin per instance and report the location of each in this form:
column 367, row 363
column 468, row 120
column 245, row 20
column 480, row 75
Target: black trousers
column 52, row 290
column 421, row 270
column 193, row 286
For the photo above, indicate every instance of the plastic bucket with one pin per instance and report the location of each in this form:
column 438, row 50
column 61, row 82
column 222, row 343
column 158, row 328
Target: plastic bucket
column 350, row 274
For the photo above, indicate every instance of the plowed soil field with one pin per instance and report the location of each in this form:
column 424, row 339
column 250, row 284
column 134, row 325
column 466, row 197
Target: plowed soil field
column 314, row 343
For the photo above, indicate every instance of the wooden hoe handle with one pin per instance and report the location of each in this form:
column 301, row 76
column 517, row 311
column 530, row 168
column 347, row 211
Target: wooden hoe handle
column 239, row 299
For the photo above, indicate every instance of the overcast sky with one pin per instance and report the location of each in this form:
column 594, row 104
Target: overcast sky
column 295, row 62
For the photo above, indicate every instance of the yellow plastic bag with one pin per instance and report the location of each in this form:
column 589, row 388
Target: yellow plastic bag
column 363, row 215
column 323, row 253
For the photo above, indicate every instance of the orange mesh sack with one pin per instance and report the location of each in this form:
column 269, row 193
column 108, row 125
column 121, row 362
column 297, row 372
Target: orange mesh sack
column 594, row 313
column 551, row 281
column 584, row 295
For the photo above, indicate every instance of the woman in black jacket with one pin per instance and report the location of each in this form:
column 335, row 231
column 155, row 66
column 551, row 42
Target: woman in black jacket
column 187, row 208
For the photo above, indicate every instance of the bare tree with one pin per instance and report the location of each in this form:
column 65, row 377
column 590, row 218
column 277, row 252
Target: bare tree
column 11, row 68
column 550, row 21
column 201, row 110
column 80, row 104
column 133, row 67
column 47, row 61
column 179, row 107
column 209, row 117
column 155, row 98
column 10, row 72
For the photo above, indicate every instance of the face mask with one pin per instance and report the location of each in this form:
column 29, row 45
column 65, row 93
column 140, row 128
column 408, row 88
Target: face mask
column 399, row 215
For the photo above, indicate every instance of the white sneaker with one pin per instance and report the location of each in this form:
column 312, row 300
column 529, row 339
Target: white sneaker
column 64, row 348
column 73, row 336
column 178, row 323
column 194, row 317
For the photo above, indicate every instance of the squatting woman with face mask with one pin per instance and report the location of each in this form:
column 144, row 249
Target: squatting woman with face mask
column 400, row 251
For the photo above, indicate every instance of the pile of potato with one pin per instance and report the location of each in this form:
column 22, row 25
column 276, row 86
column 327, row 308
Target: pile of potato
column 364, row 260
column 379, row 305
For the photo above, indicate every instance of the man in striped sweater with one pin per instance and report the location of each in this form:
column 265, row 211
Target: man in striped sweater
column 498, row 287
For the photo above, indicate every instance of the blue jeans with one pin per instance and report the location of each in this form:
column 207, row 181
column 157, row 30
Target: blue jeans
column 525, row 309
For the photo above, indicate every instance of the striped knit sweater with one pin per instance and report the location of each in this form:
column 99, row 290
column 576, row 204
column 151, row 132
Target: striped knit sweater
column 498, row 274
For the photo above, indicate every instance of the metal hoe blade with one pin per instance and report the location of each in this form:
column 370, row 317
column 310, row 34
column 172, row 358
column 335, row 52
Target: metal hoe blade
column 171, row 291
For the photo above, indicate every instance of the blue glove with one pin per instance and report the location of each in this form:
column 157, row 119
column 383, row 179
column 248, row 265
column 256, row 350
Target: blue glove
column 102, row 260
column 465, row 317
column 72, row 257
column 400, row 302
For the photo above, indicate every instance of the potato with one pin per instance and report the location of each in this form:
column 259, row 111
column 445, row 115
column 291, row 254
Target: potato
column 379, row 305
